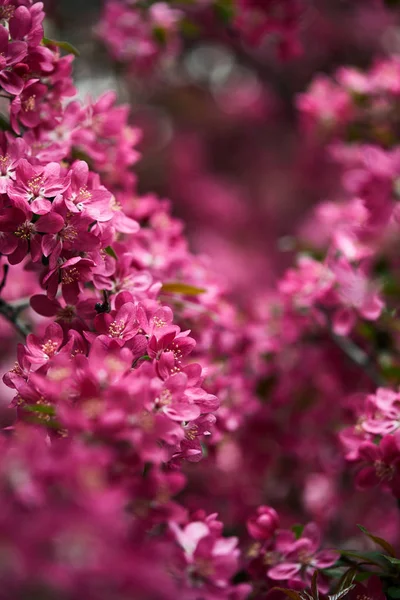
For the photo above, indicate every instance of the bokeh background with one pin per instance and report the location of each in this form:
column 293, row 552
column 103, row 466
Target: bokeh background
column 221, row 133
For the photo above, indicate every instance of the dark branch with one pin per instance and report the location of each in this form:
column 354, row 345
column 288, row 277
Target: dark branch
column 9, row 312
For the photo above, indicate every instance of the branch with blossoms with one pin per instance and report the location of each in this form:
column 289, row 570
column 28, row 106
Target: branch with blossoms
column 143, row 397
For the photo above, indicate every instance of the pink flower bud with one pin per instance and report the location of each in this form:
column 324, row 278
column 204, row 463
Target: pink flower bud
column 263, row 525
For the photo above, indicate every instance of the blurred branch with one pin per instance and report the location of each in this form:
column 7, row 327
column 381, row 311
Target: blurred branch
column 10, row 312
column 355, row 354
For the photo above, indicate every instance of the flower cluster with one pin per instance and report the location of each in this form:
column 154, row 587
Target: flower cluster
column 373, row 444
column 148, row 36
column 284, row 556
column 139, row 36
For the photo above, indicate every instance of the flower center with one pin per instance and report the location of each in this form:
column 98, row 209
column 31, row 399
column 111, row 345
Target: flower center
column 66, row 314
column 383, row 470
column 83, row 194
column 164, row 398
column 30, row 103
column 116, row 329
column 114, row 204
column 192, row 433
column 304, row 557
column 159, row 322
column 34, row 185
column 24, row 231
column 50, row 347
column 4, row 163
column 69, row 276
column 69, row 233
column 6, row 12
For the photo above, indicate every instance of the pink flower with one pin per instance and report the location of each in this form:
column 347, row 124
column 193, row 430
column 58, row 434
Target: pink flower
column 11, row 53
column 372, row 588
column 169, row 349
column 381, row 465
column 121, row 325
column 72, row 274
column 19, row 236
column 211, row 559
column 37, row 185
column 26, row 107
column 302, row 557
column 263, row 525
column 40, row 350
column 382, row 412
column 355, row 292
column 12, row 150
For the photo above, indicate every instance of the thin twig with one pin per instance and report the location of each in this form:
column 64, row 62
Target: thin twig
column 11, row 312
column 355, row 354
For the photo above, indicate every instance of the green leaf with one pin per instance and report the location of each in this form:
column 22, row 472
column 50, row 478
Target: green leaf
column 43, row 409
column 361, row 557
column 4, row 123
column 380, row 541
column 63, row 45
column 225, row 11
column 333, row 573
column 363, row 576
column 145, row 357
column 79, row 154
column 111, row 252
column 189, row 29
column 297, row 530
column 182, row 288
column 393, row 561
column 394, row 592
column 160, row 35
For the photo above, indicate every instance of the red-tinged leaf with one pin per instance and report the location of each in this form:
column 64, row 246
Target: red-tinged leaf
column 341, row 594
column 314, row 585
column 290, row 593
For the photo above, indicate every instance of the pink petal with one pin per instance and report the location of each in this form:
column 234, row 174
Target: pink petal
column 283, row 571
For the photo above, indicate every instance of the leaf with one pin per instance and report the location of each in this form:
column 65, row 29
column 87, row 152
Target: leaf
column 225, row 11
column 63, row 45
column 347, row 579
column 393, row 561
column 342, row 593
column 380, row 541
column 333, row 573
column 111, row 252
column 4, row 123
column 394, row 592
column 160, row 35
column 298, row 530
column 291, row 593
column 40, row 408
column 189, row 29
column 182, row 288
column 361, row 557
column 314, row 585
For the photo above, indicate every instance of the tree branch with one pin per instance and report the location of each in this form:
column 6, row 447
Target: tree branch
column 9, row 312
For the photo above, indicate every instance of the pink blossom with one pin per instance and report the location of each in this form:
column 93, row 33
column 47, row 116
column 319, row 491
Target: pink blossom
column 302, row 557
column 262, row 526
